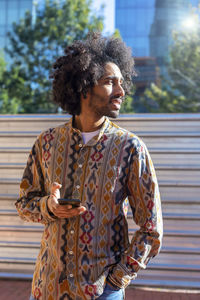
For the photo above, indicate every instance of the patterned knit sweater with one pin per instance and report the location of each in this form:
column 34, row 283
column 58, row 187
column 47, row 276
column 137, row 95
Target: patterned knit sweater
column 79, row 255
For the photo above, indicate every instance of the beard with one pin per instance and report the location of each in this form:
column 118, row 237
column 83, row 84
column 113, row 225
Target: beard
column 101, row 106
column 113, row 114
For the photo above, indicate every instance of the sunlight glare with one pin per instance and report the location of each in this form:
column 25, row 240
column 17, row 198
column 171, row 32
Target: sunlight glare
column 190, row 23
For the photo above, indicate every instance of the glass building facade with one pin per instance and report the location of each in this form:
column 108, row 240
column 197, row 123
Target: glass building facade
column 135, row 18
column 146, row 26
column 11, row 11
column 169, row 16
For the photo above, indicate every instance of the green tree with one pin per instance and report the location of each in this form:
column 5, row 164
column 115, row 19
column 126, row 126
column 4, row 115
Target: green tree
column 163, row 100
column 7, row 104
column 180, row 91
column 35, row 43
column 127, row 105
column 11, row 86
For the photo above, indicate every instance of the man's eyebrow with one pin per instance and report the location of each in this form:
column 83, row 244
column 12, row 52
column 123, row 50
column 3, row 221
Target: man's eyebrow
column 113, row 77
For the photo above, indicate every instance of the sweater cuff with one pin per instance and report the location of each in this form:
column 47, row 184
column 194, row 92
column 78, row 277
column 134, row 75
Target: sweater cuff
column 120, row 278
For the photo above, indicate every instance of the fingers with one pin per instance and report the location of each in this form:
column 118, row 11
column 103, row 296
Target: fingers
column 56, row 184
column 62, row 211
column 52, row 201
column 55, row 187
column 55, row 191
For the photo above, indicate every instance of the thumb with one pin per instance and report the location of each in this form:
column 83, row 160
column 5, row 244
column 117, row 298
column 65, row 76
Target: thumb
column 55, row 186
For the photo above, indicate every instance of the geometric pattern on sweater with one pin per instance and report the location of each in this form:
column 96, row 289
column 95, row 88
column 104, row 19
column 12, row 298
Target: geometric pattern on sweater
column 113, row 170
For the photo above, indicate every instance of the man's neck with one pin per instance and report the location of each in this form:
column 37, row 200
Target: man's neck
column 87, row 124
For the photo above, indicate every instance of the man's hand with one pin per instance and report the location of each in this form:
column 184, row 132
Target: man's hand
column 61, row 211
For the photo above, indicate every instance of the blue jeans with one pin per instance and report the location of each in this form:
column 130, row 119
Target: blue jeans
column 111, row 294
column 108, row 294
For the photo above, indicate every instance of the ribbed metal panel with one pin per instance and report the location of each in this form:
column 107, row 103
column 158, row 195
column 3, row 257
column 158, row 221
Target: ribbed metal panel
column 174, row 144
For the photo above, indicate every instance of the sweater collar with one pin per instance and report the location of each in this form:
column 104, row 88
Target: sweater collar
column 95, row 139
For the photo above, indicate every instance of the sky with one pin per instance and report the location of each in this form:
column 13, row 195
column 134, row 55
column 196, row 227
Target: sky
column 108, row 12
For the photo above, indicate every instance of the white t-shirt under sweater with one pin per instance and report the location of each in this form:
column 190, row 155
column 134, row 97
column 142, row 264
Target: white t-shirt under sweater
column 89, row 135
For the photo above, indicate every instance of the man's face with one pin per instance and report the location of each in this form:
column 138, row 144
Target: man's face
column 106, row 97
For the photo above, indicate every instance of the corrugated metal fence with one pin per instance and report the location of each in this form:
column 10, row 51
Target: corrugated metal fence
column 174, row 145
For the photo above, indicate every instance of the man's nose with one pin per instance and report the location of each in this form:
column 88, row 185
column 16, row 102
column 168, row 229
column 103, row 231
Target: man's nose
column 119, row 90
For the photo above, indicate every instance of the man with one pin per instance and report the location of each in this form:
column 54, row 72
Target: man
column 85, row 251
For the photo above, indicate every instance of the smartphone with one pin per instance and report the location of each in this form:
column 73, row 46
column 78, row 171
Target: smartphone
column 73, row 202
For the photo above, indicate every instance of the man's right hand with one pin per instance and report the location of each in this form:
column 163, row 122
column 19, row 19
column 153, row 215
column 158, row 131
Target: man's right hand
column 61, row 211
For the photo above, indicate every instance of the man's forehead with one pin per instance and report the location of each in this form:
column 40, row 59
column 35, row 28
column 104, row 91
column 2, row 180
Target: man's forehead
column 111, row 70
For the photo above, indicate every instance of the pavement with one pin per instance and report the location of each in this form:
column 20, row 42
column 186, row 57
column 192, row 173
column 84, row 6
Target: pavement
column 20, row 290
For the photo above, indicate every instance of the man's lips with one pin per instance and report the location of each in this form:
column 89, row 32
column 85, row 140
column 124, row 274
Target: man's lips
column 116, row 102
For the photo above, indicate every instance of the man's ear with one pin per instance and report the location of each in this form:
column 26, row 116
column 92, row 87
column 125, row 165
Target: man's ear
column 85, row 95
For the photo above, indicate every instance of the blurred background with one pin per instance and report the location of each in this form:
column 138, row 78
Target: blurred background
column 164, row 36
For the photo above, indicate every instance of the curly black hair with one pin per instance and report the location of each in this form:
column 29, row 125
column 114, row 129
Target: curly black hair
column 83, row 65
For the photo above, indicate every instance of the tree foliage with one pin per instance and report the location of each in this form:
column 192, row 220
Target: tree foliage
column 163, row 100
column 127, row 105
column 180, row 91
column 7, row 104
column 35, row 43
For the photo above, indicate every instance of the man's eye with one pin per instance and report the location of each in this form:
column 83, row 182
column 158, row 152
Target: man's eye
column 109, row 82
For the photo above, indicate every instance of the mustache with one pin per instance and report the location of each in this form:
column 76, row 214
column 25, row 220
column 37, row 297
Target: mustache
column 117, row 97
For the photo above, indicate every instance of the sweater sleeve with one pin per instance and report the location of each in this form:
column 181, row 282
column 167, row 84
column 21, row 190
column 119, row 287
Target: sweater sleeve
column 144, row 200
column 32, row 204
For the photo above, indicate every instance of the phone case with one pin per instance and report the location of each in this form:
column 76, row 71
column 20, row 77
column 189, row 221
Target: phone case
column 73, row 202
